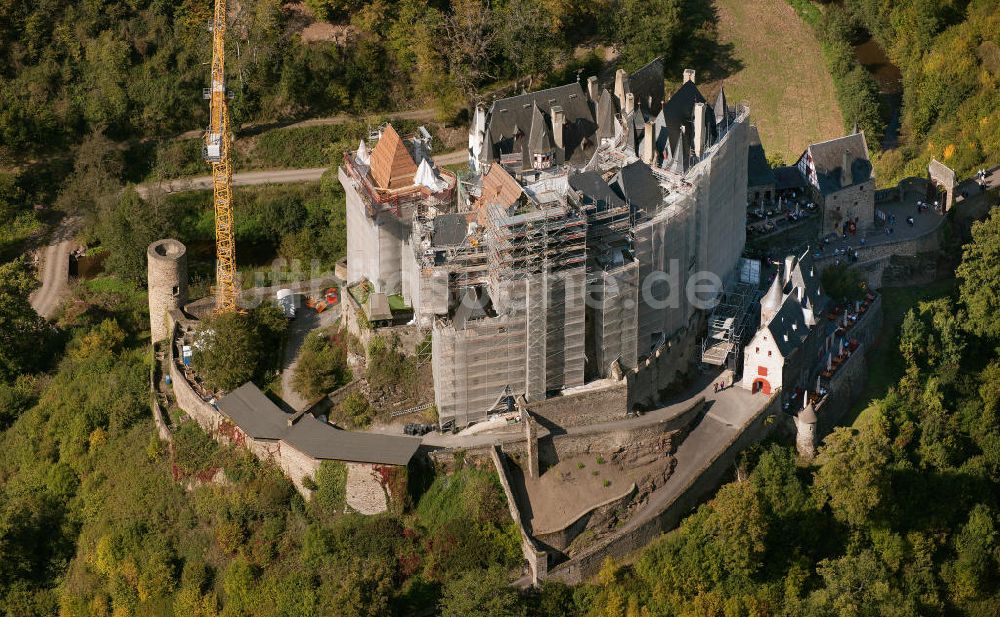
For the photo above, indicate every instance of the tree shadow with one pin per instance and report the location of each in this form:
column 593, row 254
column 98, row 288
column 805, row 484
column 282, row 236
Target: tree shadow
column 698, row 46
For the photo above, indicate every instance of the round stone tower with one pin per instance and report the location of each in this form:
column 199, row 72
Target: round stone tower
column 805, row 434
column 166, row 269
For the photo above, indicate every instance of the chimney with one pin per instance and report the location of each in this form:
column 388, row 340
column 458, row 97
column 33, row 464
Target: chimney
column 558, row 121
column 648, row 145
column 629, row 103
column 699, row 129
column 592, row 91
column 846, row 175
column 621, row 86
column 688, row 75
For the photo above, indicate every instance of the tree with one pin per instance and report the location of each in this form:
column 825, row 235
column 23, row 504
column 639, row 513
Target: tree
column 233, row 348
column 852, row 477
column 354, row 411
column 843, row 283
column 480, row 593
column 644, row 29
column 24, row 335
column 125, row 228
column 979, row 274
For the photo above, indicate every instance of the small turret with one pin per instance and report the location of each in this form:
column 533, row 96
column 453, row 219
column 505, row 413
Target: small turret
column 805, row 434
column 771, row 302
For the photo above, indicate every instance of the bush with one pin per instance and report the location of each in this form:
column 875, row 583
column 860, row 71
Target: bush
column 322, row 366
column 354, row 411
column 329, row 496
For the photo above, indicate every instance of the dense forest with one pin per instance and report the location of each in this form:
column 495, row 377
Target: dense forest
column 949, row 54
column 136, row 69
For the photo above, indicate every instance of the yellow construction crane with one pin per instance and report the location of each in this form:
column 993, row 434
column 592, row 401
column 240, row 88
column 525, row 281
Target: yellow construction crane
column 216, row 152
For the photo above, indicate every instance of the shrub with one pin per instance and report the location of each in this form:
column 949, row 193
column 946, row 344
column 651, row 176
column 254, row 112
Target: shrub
column 354, row 411
column 322, row 366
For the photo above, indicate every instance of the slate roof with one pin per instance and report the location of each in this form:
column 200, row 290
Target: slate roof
column 828, row 159
column 513, row 115
column 758, row 171
column 806, row 276
column 539, row 137
column 636, row 184
column 254, row 413
column 647, row 86
column 678, row 111
column 449, row 229
column 788, row 327
column 392, row 166
column 260, row 418
column 788, row 177
column 593, row 186
column 320, row 440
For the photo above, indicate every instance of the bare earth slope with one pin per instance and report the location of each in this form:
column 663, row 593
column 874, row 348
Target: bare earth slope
column 784, row 76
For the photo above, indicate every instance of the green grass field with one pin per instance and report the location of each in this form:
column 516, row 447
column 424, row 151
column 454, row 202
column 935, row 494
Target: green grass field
column 885, row 364
column 784, row 77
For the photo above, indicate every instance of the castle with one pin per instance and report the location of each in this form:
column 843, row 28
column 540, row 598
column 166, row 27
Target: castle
column 595, row 227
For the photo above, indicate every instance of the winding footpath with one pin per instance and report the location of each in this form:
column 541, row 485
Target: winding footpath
column 53, row 267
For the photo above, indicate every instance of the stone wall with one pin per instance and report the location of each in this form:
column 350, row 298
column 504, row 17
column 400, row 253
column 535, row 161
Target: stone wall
column 873, row 258
column 365, row 493
column 597, row 403
column 650, row 524
column 538, row 560
column 666, row 367
column 296, row 465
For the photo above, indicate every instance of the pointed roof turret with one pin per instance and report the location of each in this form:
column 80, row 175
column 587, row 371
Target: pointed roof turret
column 771, row 302
column 605, row 116
column 363, row 156
column 392, row 166
column 808, row 414
column 679, row 160
column 809, row 312
column 721, row 107
column 539, row 136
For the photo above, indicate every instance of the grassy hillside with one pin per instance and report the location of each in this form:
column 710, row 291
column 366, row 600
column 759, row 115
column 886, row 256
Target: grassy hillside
column 783, row 76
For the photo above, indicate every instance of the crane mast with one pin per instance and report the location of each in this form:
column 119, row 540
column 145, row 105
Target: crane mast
column 217, row 152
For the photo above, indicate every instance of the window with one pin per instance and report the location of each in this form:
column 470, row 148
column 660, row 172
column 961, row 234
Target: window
column 762, row 371
column 757, row 350
column 768, row 353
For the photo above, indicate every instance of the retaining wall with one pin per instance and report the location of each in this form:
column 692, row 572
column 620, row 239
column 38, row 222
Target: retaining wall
column 651, row 524
column 560, row 539
column 599, row 404
column 538, row 560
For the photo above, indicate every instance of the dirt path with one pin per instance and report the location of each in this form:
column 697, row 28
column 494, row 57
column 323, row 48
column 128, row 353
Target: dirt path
column 305, row 322
column 272, row 176
column 424, row 115
column 54, row 269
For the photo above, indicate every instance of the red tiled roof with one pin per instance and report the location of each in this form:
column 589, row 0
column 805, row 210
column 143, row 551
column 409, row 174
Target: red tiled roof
column 392, row 166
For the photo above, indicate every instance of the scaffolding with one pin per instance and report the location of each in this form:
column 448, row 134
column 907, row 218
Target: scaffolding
column 731, row 322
